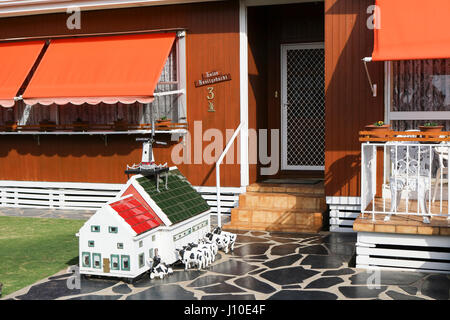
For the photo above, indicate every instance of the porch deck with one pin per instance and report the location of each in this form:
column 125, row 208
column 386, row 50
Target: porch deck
column 404, row 224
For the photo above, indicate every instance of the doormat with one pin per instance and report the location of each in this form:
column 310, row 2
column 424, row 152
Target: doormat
column 292, row 181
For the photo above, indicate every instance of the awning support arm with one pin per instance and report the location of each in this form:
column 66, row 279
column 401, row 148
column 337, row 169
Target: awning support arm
column 373, row 87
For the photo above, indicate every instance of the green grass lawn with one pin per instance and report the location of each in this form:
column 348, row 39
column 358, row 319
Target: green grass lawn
column 32, row 249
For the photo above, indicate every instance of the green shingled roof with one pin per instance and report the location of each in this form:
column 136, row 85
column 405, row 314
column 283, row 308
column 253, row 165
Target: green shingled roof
column 180, row 201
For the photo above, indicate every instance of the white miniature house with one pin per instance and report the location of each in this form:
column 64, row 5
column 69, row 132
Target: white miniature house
column 144, row 219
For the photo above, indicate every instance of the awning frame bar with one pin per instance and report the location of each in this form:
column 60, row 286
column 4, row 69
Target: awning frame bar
column 373, row 87
column 180, row 32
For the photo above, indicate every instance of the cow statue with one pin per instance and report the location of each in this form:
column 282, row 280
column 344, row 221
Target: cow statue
column 231, row 237
column 192, row 256
column 159, row 269
column 224, row 240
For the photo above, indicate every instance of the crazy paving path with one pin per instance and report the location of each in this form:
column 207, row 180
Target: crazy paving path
column 263, row 266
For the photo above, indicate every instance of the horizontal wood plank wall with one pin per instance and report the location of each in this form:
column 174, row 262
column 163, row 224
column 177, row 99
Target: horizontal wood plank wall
column 212, row 44
column 349, row 102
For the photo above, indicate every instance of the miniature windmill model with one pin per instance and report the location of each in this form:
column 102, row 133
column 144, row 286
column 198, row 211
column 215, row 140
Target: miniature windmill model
column 148, row 167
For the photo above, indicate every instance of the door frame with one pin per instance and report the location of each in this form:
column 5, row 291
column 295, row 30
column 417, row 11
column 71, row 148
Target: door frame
column 283, row 102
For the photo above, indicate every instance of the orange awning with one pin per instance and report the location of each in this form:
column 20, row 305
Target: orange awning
column 106, row 69
column 412, row 29
column 16, row 61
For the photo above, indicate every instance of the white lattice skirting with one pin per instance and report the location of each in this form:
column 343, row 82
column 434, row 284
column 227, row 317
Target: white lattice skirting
column 88, row 196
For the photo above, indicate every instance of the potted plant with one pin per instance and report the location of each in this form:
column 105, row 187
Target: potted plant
column 379, row 129
column 163, row 122
column 431, row 127
column 121, row 124
column 10, row 125
column 47, row 125
column 80, row 125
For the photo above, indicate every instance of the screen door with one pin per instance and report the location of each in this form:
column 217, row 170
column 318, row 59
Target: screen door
column 303, row 106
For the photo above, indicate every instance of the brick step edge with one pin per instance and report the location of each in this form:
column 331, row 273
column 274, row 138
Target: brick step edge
column 271, row 227
column 284, row 194
column 288, row 191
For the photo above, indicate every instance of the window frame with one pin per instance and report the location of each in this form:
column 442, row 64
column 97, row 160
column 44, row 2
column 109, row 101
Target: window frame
column 141, row 265
column 100, row 260
column 91, row 243
column 93, row 226
column 111, row 227
column 55, row 112
column 83, row 254
column 404, row 115
column 118, row 261
column 122, row 256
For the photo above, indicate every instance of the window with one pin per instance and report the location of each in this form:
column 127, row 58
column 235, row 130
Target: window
column 141, row 259
column 153, row 237
column 97, row 257
column 150, row 253
column 113, row 229
column 115, row 262
column 91, row 243
column 141, row 243
column 86, row 259
column 418, row 91
column 95, row 228
column 125, row 263
column 120, row 245
column 169, row 102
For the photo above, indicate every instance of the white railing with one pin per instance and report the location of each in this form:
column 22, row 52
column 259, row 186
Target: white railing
column 414, row 179
column 218, row 163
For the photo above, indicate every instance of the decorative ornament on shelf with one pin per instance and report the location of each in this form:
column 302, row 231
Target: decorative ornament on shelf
column 379, row 129
column 163, row 122
column 10, row 126
column 431, row 127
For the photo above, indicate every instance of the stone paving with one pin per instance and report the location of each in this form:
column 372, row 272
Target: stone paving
column 264, row 265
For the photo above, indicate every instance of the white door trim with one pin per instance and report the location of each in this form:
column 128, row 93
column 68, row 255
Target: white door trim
column 284, row 48
column 243, row 79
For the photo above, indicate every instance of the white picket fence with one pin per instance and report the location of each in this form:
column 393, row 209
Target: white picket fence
column 88, row 196
column 56, row 195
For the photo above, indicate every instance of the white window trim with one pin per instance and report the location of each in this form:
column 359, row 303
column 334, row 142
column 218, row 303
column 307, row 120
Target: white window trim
column 405, row 115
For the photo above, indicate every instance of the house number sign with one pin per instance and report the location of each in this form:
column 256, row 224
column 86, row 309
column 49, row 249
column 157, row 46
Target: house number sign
column 208, row 79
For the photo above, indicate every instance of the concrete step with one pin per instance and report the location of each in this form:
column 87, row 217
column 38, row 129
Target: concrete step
column 313, row 189
column 289, row 222
column 282, row 201
column 276, row 217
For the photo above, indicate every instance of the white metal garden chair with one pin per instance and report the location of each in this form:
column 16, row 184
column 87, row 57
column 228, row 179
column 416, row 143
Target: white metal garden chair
column 442, row 153
column 410, row 171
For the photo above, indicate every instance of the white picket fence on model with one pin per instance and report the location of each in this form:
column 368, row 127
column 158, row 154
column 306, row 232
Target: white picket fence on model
column 88, row 196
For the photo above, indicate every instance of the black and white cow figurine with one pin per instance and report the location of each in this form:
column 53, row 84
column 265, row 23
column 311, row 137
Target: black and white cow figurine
column 191, row 255
column 220, row 241
column 159, row 269
column 228, row 237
